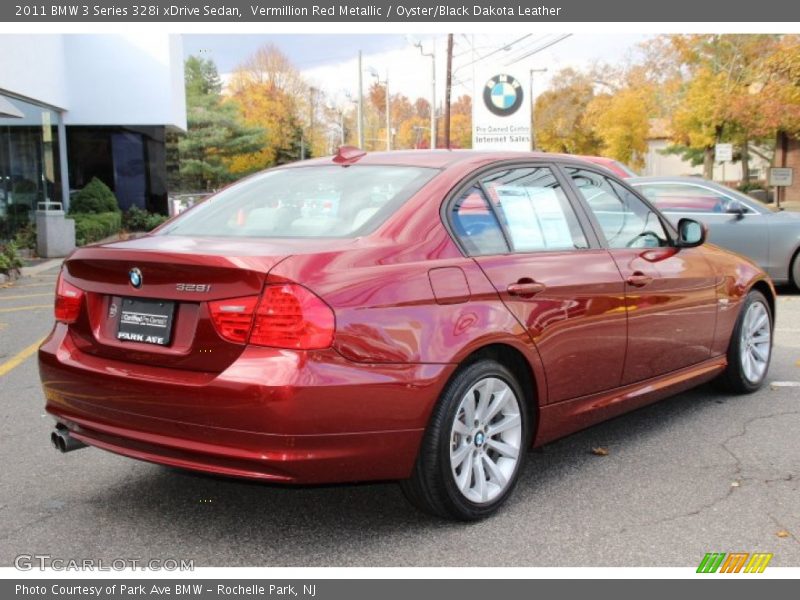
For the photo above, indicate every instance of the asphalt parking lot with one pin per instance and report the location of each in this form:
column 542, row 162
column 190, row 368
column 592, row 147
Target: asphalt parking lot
column 700, row 472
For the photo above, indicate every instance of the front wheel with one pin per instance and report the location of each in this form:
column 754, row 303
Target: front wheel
column 473, row 449
column 750, row 348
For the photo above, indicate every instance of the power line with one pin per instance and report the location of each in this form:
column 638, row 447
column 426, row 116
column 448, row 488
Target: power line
column 539, row 49
column 493, row 52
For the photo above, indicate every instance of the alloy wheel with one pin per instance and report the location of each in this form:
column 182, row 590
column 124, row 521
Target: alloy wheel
column 485, row 440
column 754, row 349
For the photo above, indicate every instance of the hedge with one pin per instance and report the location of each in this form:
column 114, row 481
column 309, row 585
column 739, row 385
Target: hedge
column 90, row 228
column 137, row 219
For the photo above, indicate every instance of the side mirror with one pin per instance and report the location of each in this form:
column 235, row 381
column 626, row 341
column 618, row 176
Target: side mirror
column 691, row 233
column 735, row 207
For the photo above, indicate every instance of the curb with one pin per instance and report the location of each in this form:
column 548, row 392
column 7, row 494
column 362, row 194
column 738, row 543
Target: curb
column 56, row 262
column 40, row 268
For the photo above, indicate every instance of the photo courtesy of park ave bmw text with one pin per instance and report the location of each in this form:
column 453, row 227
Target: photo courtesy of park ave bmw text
column 398, row 299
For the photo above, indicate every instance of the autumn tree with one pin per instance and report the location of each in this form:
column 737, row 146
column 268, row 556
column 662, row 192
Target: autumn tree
column 413, row 133
column 716, row 71
column 461, row 122
column 621, row 121
column 560, row 115
column 771, row 106
column 274, row 96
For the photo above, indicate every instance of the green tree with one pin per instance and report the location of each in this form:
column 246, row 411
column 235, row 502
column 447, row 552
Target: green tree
column 216, row 133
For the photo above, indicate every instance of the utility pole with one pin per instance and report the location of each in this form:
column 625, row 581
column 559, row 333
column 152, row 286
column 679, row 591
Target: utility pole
column 447, row 90
column 360, row 115
column 311, row 110
column 533, row 123
column 388, row 116
column 385, row 83
column 432, row 54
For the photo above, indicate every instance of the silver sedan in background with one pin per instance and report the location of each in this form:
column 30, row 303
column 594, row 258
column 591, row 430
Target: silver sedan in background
column 735, row 221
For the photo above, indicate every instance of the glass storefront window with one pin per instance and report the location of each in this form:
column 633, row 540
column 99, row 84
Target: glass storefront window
column 29, row 168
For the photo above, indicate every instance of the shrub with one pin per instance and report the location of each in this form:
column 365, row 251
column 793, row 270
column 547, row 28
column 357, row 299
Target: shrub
column 24, row 186
column 10, row 260
column 95, row 198
column 136, row 219
column 26, row 236
column 90, row 228
column 18, row 215
column 750, row 186
column 154, row 220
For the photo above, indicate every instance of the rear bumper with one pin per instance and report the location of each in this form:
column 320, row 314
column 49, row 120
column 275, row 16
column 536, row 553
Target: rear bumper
column 273, row 415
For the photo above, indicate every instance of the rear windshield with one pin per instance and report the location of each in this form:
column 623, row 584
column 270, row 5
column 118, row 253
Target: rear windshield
column 305, row 202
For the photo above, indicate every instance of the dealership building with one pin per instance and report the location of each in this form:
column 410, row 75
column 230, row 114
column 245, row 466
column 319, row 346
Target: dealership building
column 74, row 107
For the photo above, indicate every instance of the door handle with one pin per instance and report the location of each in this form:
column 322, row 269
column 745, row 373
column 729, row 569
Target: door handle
column 639, row 279
column 525, row 288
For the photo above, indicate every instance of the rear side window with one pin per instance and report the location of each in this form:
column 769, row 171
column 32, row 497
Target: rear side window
column 475, row 225
column 305, row 202
column 534, row 210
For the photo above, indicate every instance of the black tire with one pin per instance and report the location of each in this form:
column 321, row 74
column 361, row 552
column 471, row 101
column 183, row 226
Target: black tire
column 794, row 270
column 733, row 379
column 432, row 486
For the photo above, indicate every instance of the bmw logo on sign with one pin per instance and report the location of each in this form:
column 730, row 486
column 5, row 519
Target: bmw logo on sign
column 502, row 95
column 135, row 277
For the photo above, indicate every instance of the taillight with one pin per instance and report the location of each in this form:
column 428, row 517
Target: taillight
column 289, row 316
column 233, row 317
column 69, row 301
column 285, row 316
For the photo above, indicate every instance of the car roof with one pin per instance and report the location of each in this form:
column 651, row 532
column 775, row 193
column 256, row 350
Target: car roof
column 442, row 159
column 672, row 179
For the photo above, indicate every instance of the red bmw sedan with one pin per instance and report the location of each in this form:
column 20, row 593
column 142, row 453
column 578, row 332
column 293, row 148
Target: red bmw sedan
column 419, row 316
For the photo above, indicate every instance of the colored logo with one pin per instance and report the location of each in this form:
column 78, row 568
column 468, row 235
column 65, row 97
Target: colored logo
column 135, row 277
column 502, row 95
column 734, row 562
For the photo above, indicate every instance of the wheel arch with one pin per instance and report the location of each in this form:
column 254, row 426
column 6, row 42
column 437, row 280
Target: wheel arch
column 793, row 261
column 763, row 286
column 519, row 365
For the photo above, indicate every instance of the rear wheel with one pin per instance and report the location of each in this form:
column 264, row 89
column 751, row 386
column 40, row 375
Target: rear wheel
column 750, row 348
column 473, row 449
column 795, row 270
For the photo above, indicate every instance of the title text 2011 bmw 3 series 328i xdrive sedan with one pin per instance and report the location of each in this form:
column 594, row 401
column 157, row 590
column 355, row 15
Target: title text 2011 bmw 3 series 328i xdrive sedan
column 419, row 316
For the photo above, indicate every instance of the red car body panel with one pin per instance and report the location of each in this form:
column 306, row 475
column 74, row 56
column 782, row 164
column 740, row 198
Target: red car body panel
column 616, row 167
column 409, row 308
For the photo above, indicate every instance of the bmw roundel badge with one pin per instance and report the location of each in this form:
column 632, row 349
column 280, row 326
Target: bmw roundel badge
column 135, row 277
column 502, row 95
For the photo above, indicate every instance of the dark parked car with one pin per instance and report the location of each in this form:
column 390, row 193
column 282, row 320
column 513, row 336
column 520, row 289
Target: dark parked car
column 735, row 221
column 419, row 316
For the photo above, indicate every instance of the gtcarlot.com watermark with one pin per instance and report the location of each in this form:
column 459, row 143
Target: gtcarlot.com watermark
column 44, row 562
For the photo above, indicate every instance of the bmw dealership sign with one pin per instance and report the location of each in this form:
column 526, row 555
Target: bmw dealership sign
column 501, row 113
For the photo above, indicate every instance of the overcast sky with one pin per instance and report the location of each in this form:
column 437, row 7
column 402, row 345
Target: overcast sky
column 330, row 61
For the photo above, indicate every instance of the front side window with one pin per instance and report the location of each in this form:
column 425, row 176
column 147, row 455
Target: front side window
column 305, row 202
column 626, row 221
column 534, row 210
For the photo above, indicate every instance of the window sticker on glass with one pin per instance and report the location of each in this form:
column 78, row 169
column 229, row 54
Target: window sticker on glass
column 535, row 217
